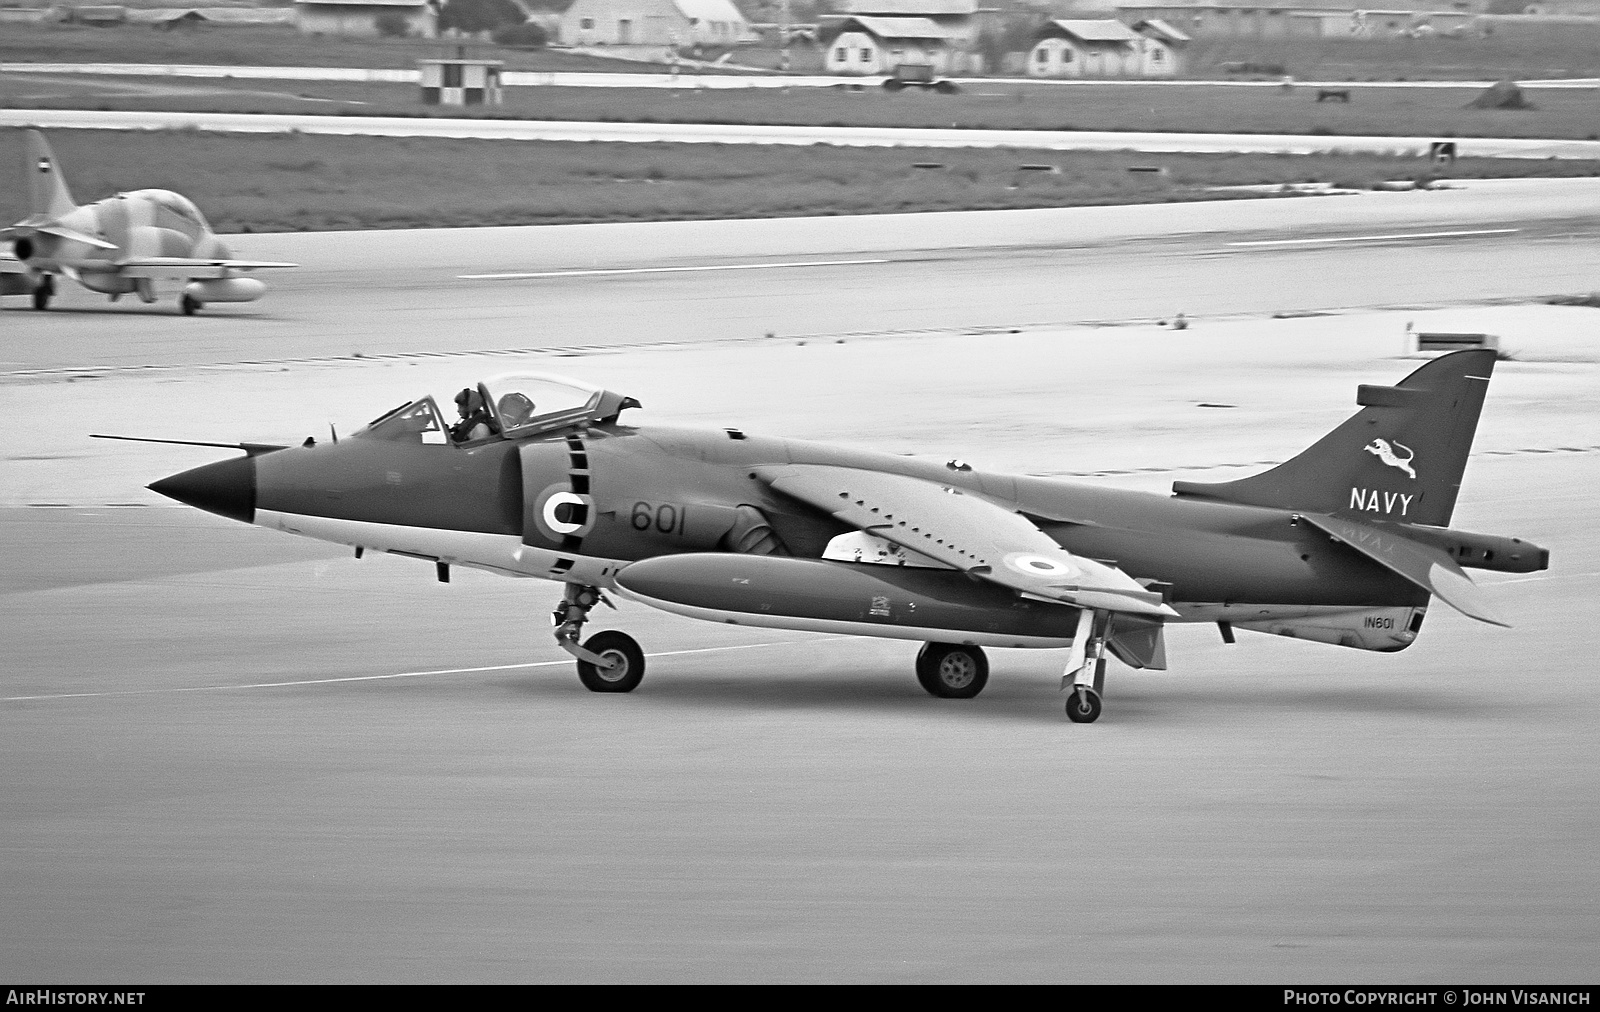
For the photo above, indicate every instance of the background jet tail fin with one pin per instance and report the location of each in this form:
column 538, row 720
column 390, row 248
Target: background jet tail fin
column 48, row 196
column 1400, row 458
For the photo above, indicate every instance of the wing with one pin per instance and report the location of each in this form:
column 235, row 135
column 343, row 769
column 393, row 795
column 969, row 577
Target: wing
column 187, row 267
column 1426, row 566
column 965, row 531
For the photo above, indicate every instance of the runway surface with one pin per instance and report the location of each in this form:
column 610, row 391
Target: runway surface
column 705, row 133
column 233, row 755
column 403, row 292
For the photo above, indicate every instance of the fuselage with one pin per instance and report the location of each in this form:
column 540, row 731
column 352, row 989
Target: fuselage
column 582, row 503
column 140, row 224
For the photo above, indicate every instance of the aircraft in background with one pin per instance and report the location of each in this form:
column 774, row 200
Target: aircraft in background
column 120, row 245
column 1344, row 544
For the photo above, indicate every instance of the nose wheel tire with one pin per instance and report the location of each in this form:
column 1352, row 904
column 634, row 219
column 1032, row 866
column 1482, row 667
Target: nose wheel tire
column 189, row 305
column 1083, row 705
column 952, row 671
column 627, row 669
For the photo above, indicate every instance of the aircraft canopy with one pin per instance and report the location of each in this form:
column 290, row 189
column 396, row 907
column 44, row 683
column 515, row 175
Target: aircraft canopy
column 520, row 404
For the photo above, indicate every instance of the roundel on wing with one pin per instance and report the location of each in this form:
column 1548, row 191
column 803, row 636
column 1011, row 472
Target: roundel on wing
column 561, row 513
column 1040, row 566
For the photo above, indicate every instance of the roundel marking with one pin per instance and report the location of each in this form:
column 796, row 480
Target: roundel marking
column 557, row 507
column 1039, row 565
column 549, row 513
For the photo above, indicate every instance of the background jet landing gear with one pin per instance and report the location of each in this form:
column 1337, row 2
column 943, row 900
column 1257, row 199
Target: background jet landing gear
column 190, row 305
column 1086, row 667
column 952, row 671
column 610, row 661
column 43, row 291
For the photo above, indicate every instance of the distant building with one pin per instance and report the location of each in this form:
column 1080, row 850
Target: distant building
column 360, row 17
column 874, row 45
column 957, row 18
column 1084, row 48
column 1305, row 19
column 672, row 23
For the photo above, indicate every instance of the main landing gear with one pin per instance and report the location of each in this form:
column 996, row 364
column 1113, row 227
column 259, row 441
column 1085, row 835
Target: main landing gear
column 1086, row 667
column 952, row 670
column 190, row 305
column 43, row 291
column 610, row 661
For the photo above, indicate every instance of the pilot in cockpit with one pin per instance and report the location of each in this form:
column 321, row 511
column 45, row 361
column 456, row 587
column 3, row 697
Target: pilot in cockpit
column 476, row 422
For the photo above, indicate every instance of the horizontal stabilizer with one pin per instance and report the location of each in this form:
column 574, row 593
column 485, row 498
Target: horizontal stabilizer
column 1424, row 565
column 28, row 228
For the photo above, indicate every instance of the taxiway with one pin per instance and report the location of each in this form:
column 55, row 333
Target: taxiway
column 236, row 756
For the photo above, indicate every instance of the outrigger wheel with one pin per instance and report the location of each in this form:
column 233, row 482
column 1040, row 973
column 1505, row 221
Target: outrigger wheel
column 952, row 670
column 1083, row 705
column 627, row 663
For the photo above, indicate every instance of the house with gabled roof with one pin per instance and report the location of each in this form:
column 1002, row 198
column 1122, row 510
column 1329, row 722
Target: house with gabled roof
column 958, row 18
column 877, row 45
column 670, row 23
column 1086, row 48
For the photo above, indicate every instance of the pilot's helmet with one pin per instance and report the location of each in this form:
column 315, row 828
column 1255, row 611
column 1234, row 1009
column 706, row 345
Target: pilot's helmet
column 469, row 400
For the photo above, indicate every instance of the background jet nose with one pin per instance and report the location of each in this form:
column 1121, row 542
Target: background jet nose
column 226, row 488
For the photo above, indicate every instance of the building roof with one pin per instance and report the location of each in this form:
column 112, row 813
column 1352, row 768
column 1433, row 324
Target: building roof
column 1211, row 6
column 709, row 10
column 361, row 3
column 1107, row 30
column 1156, row 26
column 901, row 28
column 908, row 8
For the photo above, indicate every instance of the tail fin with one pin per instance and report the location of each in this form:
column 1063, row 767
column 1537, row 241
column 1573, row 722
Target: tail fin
column 48, row 196
column 1400, row 458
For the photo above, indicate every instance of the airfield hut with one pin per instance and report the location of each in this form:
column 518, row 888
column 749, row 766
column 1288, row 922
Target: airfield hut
column 460, row 82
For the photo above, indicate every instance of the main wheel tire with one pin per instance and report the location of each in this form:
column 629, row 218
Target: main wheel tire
column 189, row 305
column 620, row 648
column 1083, row 706
column 947, row 87
column 41, row 295
column 893, row 85
column 951, row 670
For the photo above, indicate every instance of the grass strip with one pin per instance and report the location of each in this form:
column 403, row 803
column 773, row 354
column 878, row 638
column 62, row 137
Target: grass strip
column 301, row 182
column 1570, row 114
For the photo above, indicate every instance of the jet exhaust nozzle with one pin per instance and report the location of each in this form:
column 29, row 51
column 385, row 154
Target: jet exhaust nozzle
column 23, row 248
column 225, row 290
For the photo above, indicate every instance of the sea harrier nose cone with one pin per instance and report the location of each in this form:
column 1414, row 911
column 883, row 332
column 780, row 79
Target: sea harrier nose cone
column 226, row 488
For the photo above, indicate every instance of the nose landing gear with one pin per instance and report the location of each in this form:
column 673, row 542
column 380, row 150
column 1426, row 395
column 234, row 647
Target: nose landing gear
column 609, row 661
